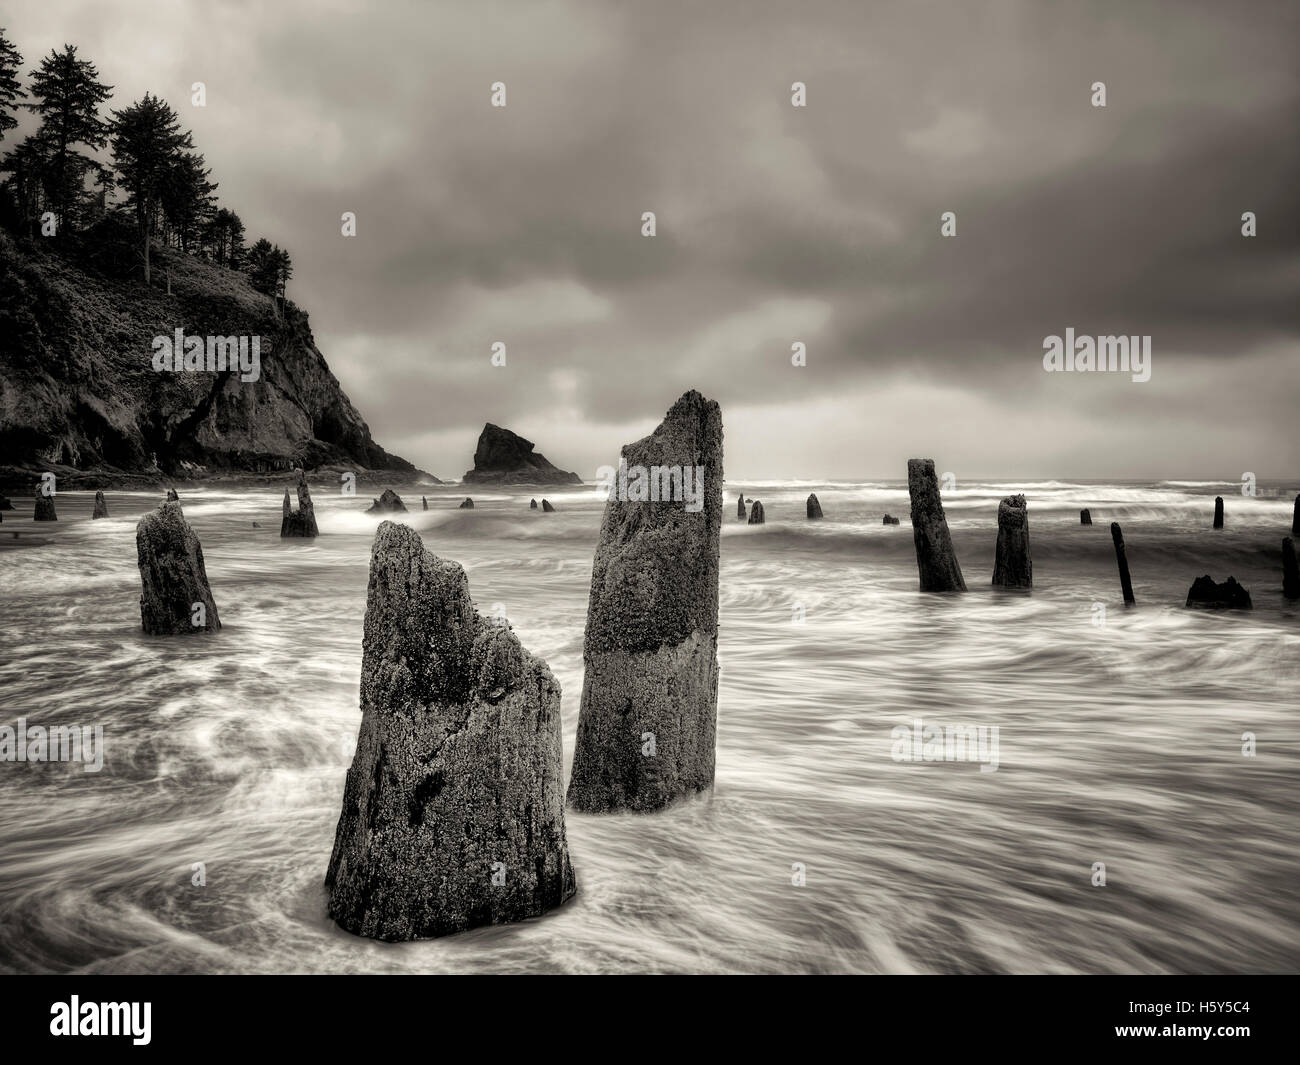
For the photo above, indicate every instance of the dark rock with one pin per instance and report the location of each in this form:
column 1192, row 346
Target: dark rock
column 172, row 576
column 748, row 501
column 101, row 506
column 388, row 503
column 814, row 507
column 546, row 507
column 44, row 510
column 1218, row 512
column 650, row 654
column 453, row 811
column 935, row 558
column 532, row 504
column 889, row 520
column 1295, row 518
column 467, row 505
column 302, row 523
column 756, row 516
column 503, row 457
column 6, row 503
column 424, row 503
column 1229, row 595
column 1121, row 558
column 172, row 497
column 1085, row 517
column 1290, row 575
column 740, row 507
column 258, row 524
column 1012, row 567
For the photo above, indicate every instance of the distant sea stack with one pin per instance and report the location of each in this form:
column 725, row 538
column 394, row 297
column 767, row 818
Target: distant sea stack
column 1012, row 567
column 467, row 505
column 101, row 506
column 503, row 457
column 756, row 516
column 648, row 716
column 302, row 522
column 532, row 504
column 547, row 508
column 44, row 509
column 889, row 520
column 1085, row 517
column 1226, row 596
column 388, row 503
column 740, row 506
column 175, row 599
column 424, row 502
column 453, row 811
column 172, row 497
column 1290, row 574
column 1218, row 512
column 814, row 507
column 935, row 558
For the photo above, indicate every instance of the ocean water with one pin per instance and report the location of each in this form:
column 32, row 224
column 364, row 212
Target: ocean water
column 1120, row 741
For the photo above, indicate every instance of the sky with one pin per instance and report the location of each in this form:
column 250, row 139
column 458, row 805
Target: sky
column 775, row 224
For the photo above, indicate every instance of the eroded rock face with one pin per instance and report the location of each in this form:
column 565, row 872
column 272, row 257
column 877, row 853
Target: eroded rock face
column 453, row 811
column 301, row 522
column 101, row 506
column 756, row 516
column 647, row 723
column 814, row 507
column 388, row 503
column 1012, row 567
column 1226, row 596
column 935, row 558
column 175, row 599
column 503, row 457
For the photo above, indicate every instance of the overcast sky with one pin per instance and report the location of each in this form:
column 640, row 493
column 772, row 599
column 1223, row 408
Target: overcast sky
column 775, row 224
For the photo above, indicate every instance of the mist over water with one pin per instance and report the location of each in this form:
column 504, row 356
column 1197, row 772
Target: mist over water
column 1119, row 743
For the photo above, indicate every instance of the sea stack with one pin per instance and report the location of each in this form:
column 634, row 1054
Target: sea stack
column 648, row 717
column 1117, row 534
column 546, row 507
column 740, row 506
column 172, row 497
column 1290, row 574
column 1226, row 596
column 1012, row 567
column 101, row 506
column 935, row 558
column 814, row 507
column 532, row 504
column 388, row 503
column 889, row 520
column 175, row 599
column 302, row 523
column 503, row 457
column 467, row 505
column 453, row 810
column 1085, row 517
column 756, row 513
column 424, row 503
column 1218, row 512
column 44, row 510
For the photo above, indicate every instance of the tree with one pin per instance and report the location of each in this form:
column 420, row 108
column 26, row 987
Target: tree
column 10, row 92
column 68, row 94
column 27, row 164
column 263, row 267
column 148, row 145
column 224, row 234
column 187, row 200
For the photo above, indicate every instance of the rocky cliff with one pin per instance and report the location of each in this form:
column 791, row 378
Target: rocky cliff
column 79, row 392
column 503, row 457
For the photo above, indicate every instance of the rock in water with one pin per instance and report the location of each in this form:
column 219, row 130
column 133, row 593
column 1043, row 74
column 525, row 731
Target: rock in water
column 388, row 503
column 467, row 505
column 1290, row 574
column 889, row 520
column 814, row 507
column 7, row 504
column 1295, row 518
column 1229, row 595
column 740, row 506
column 453, row 811
column 172, row 497
column 756, row 513
column 1012, row 567
column 503, row 457
column 650, row 694
column 1121, row 559
column 303, row 523
column 1218, row 512
column 44, row 510
column 175, row 599
column 546, row 507
column 101, row 506
column 532, row 504
column 935, row 558
column 424, row 503
column 1085, row 517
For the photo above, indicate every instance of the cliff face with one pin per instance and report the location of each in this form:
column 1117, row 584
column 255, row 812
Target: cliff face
column 79, row 391
column 503, row 457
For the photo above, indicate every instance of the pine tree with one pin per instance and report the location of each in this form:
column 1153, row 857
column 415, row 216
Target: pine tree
column 10, row 91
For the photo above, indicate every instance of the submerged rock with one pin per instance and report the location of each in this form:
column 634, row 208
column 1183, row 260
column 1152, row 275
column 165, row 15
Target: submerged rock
column 467, row 505
column 388, row 503
column 1228, row 595
column 935, row 558
column 1085, row 517
column 303, row 522
column 756, row 516
column 647, row 722
column 1012, row 567
column 1290, row 575
column 453, row 811
column 175, row 598
column 546, row 507
column 503, row 457
column 101, row 506
column 814, row 507
column 889, row 520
